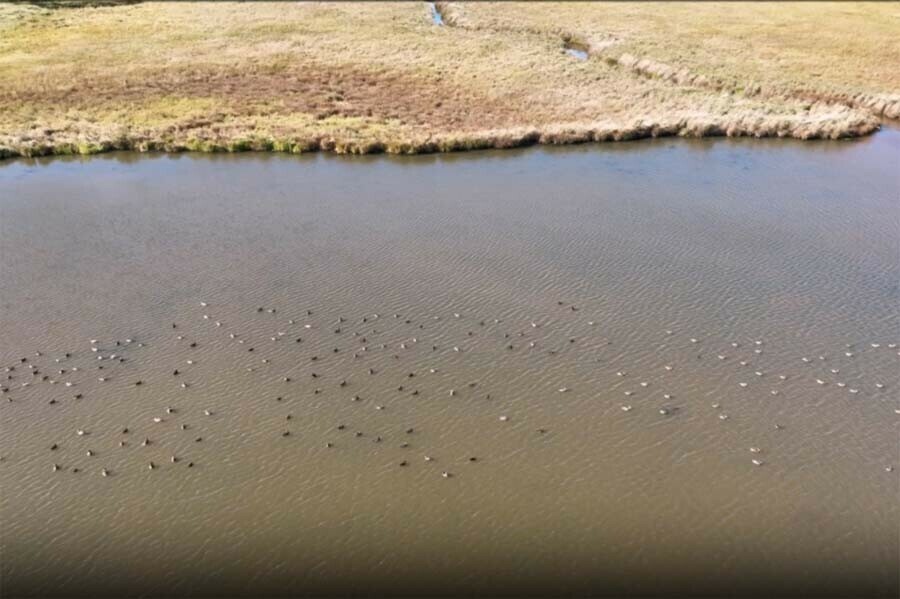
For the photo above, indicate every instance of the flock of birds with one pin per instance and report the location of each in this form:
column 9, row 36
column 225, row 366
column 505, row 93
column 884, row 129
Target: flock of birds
column 319, row 339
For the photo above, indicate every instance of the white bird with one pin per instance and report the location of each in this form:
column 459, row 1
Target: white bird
column 626, row 408
column 757, row 462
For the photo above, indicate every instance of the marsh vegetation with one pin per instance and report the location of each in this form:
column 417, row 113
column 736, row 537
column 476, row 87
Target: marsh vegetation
column 367, row 77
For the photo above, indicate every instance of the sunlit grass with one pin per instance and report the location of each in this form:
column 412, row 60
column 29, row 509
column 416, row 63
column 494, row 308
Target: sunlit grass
column 373, row 77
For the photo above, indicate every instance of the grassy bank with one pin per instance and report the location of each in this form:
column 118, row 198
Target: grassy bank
column 367, row 77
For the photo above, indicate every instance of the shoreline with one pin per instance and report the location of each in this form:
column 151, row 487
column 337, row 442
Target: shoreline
column 488, row 140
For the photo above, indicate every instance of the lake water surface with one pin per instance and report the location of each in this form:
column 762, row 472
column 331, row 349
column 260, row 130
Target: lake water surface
column 567, row 315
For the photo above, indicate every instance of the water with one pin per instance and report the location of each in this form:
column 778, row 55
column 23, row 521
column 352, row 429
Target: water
column 436, row 16
column 577, row 54
column 791, row 244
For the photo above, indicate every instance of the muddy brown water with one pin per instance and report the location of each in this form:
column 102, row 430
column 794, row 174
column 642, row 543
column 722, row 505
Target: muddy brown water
column 608, row 259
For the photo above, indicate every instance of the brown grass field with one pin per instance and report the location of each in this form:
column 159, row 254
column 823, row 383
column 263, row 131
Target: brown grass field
column 86, row 77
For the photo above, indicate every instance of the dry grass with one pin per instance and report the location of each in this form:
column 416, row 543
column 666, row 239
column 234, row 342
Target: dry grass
column 845, row 52
column 373, row 77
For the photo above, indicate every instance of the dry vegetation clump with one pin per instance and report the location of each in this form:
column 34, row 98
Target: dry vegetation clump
column 367, row 77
